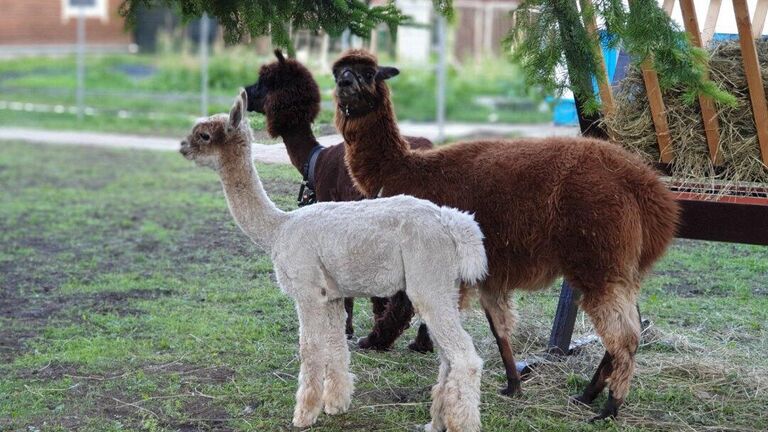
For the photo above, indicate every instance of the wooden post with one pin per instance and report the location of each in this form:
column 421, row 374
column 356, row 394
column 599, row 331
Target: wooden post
column 668, row 6
column 708, row 111
column 606, row 94
column 710, row 22
column 656, row 104
column 758, row 20
column 754, row 78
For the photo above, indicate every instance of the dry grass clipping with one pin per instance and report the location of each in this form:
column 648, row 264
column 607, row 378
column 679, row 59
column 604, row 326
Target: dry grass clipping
column 739, row 148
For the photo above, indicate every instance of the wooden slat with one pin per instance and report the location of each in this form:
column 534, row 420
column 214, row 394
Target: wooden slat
column 658, row 110
column 754, row 78
column 606, row 94
column 758, row 19
column 713, row 11
column 656, row 102
column 708, row 112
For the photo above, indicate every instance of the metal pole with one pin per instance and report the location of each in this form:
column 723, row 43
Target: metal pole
column 204, row 31
column 441, row 78
column 80, row 92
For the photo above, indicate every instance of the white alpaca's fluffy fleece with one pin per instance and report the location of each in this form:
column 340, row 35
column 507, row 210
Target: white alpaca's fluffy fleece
column 331, row 250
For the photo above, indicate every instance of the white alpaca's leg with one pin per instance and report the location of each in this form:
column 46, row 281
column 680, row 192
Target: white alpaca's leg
column 436, row 410
column 312, row 351
column 339, row 383
column 460, row 392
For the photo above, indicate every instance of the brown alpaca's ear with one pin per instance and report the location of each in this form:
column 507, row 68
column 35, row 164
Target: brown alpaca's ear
column 279, row 55
column 236, row 113
column 386, row 72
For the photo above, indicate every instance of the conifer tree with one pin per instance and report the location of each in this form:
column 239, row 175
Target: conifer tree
column 275, row 17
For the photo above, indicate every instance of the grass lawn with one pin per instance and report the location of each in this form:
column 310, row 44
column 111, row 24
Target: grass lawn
column 158, row 94
column 131, row 301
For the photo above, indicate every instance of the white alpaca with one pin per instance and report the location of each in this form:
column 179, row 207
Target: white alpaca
column 331, row 250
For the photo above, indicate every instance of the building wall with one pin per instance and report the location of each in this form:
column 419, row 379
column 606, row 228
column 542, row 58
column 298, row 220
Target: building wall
column 481, row 26
column 33, row 22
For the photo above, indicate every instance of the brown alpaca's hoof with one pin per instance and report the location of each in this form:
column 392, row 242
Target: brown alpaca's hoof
column 350, row 333
column 512, row 390
column 369, row 343
column 581, row 400
column 421, row 347
column 603, row 416
column 610, row 409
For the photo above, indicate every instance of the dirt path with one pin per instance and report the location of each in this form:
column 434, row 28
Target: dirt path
column 268, row 153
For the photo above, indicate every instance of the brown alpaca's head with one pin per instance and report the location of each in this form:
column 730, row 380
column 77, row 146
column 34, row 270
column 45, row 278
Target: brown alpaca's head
column 360, row 87
column 286, row 93
column 219, row 138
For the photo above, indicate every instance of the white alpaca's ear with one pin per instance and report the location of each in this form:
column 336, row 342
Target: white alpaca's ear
column 236, row 113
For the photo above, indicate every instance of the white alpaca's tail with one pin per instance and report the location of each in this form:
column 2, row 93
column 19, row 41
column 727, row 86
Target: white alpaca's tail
column 466, row 234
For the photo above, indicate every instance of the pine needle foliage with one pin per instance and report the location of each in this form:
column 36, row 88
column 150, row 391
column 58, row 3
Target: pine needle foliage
column 275, row 17
column 549, row 38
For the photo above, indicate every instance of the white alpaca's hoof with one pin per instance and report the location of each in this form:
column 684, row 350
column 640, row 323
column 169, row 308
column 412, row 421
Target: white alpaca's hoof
column 340, row 406
column 428, row 428
column 304, row 419
column 337, row 394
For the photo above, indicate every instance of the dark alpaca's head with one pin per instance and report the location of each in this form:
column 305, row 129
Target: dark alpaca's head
column 286, row 94
column 360, row 84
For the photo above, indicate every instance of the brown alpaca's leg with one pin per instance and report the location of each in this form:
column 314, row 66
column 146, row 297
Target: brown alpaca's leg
column 505, row 349
column 501, row 320
column 378, row 305
column 393, row 322
column 596, row 386
column 422, row 343
column 349, row 306
column 614, row 315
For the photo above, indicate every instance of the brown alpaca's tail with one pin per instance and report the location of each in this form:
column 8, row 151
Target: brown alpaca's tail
column 659, row 214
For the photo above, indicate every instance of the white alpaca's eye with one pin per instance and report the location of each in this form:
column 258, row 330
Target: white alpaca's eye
column 204, row 136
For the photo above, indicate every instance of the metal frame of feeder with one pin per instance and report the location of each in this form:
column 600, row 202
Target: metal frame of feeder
column 707, row 214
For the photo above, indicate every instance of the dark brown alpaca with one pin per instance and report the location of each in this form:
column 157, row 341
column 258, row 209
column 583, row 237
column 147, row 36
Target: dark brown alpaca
column 577, row 207
column 288, row 95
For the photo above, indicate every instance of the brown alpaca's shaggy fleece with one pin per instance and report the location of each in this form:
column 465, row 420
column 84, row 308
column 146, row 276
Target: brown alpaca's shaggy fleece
column 578, row 207
column 289, row 97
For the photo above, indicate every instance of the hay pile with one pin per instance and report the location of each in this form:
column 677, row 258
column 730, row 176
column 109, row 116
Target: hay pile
column 739, row 148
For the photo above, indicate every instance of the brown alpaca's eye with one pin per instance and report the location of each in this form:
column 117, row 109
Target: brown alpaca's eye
column 204, row 136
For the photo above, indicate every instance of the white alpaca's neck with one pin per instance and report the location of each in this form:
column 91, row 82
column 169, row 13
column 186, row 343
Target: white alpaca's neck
column 249, row 204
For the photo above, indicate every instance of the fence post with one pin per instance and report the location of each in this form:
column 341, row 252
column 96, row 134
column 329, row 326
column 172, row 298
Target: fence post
column 204, row 31
column 441, row 78
column 80, row 92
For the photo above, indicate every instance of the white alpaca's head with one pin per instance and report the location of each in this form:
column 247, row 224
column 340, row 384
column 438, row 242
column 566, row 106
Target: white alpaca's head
column 219, row 138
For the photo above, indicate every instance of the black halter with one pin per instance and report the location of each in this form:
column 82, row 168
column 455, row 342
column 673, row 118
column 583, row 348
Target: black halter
column 307, row 193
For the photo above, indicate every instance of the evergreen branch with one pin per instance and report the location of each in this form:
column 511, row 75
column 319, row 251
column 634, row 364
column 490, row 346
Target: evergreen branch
column 549, row 38
column 269, row 17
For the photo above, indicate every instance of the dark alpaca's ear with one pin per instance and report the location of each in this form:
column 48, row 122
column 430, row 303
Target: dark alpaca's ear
column 386, row 72
column 238, row 108
column 279, row 55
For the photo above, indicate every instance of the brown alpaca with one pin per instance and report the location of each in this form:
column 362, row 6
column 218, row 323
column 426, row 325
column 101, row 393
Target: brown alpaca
column 577, row 207
column 288, row 95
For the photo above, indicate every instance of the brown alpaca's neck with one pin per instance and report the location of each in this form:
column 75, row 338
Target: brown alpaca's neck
column 253, row 211
column 299, row 143
column 375, row 150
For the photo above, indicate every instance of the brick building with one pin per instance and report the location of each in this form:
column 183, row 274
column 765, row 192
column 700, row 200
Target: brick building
column 52, row 23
